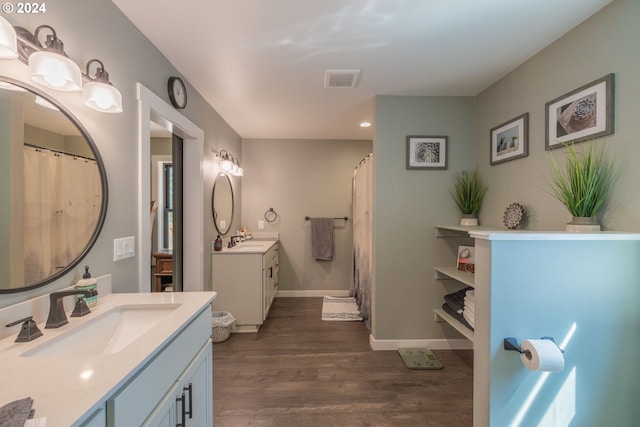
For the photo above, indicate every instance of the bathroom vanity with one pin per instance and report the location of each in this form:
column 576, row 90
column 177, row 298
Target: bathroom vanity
column 245, row 278
column 136, row 359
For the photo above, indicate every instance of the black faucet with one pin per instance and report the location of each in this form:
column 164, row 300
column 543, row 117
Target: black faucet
column 233, row 240
column 57, row 316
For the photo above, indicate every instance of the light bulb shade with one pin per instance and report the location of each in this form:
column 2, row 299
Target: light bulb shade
column 240, row 171
column 227, row 165
column 102, row 97
column 55, row 71
column 8, row 41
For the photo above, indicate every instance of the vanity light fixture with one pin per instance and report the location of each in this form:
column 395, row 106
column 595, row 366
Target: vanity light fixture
column 230, row 164
column 227, row 163
column 8, row 42
column 51, row 67
column 99, row 94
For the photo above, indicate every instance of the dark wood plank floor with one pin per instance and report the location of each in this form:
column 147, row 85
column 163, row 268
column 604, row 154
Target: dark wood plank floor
column 301, row 371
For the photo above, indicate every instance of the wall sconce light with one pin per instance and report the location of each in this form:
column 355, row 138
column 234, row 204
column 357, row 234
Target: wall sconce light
column 99, row 94
column 50, row 66
column 8, row 42
column 230, row 164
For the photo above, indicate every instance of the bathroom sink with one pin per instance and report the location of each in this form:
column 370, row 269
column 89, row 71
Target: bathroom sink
column 107, row 333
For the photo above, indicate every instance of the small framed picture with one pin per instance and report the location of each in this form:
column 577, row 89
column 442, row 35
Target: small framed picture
column 582, row 114
column 427, row 152
column 510, row 140
column 467, row 259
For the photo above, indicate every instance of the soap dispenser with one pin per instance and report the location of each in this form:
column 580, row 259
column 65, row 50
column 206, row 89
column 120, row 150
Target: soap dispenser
column 87, row 283
column 217, row 244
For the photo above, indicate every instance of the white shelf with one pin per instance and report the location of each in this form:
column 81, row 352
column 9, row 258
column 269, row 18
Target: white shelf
column 457, row 325
column 445, row 231
column 452, row 273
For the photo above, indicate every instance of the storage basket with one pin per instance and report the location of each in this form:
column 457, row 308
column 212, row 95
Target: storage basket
column 221, row 325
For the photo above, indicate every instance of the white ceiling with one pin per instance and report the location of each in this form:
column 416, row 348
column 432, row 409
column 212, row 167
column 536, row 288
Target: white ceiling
column 260, row 63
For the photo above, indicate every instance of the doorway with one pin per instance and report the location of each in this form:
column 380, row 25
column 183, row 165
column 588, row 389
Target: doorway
column 166, row 210
column 152, row 108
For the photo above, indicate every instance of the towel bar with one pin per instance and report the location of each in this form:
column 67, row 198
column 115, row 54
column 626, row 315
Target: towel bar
column 346, row 218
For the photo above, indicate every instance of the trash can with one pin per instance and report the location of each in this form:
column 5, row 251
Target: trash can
column 221, row 324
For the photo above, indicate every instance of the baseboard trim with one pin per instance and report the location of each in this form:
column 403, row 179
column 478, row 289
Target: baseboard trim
column 297, row 294
column 431, row 344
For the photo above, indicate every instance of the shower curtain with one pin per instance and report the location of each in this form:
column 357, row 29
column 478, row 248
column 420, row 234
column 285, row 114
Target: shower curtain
column 362, row 236
column 62, row 199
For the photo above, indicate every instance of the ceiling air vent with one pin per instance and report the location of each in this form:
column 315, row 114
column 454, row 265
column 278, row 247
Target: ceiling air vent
column 341, row 78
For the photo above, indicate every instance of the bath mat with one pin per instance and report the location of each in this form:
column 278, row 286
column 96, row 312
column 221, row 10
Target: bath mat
column 340, row 309
column 419, row 358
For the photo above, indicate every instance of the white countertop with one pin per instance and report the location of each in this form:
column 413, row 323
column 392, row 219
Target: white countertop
column 252, row 246
column 64, row 389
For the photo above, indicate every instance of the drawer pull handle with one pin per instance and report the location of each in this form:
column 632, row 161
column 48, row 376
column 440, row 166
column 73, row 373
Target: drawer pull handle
column 190, row 390
column 183, row 411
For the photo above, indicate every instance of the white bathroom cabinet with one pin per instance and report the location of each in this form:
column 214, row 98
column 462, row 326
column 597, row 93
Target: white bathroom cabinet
column 152, row 396
column 246, row 282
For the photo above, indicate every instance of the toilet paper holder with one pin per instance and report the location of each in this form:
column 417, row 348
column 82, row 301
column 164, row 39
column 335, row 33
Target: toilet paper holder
column 511, row 344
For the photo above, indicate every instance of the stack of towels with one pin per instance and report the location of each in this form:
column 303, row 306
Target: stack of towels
column 455, row 304
column 469, row 307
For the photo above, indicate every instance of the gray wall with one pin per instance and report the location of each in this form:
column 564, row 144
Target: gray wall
column 301, row 178
column 606, row 43
column 97, row 29
column 407, row 206
column 405, row 250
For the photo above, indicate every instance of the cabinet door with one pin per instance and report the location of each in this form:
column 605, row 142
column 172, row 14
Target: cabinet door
column 197, row 386
column 164, row 415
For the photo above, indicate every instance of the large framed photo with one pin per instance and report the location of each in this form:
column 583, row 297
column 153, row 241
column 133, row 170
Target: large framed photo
column 580, row 115
column 510, row 140
column 427, row 152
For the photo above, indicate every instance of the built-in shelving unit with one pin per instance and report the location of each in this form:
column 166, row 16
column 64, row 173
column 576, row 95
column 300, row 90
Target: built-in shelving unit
column 452, row 273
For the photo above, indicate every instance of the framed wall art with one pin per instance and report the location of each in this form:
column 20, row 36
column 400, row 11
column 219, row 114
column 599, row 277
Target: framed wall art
column 582, row 114
column 510, row 140
column 427, row 152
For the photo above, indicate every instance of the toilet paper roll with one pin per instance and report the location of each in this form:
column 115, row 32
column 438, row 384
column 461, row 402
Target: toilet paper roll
column 542, row 355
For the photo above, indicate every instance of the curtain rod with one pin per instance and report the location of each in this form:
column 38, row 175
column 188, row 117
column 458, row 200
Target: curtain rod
column 37, row 147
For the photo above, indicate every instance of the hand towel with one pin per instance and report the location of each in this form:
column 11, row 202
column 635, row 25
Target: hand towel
column 322, row 238
column 15, row 414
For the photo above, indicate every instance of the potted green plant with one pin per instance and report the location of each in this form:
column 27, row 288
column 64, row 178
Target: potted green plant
column 468, row 192
column 583, row 185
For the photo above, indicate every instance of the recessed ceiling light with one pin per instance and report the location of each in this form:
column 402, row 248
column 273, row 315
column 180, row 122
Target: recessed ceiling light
column 365, row 124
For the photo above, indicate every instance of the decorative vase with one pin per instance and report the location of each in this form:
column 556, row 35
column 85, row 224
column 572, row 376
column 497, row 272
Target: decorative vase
column 582, row 224
column 469, row 220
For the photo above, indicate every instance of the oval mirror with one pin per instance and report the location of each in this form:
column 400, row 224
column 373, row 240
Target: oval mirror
column 222, row 204
column 53, row 196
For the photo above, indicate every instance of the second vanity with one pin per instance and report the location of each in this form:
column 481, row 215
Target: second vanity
column 245, row 278
column 136, row 359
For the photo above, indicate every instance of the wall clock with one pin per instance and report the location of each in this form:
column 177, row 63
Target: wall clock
column 177, row 92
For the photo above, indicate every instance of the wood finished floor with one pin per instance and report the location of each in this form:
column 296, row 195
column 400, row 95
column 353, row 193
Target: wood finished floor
column 301, row 371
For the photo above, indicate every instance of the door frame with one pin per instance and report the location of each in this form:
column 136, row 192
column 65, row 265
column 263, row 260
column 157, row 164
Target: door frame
column 152, row 107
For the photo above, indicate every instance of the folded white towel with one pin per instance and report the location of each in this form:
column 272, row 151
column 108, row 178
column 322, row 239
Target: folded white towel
column 471, row 305
column 470, row 293
column 468, row 317
column 470, row 310
column 470, row 322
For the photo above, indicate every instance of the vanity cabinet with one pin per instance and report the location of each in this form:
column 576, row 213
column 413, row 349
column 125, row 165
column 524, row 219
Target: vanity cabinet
column 246, row 282
column 180, row 374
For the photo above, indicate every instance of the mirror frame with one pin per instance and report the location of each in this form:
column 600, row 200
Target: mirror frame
column 103, row 180
column 213, row 208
